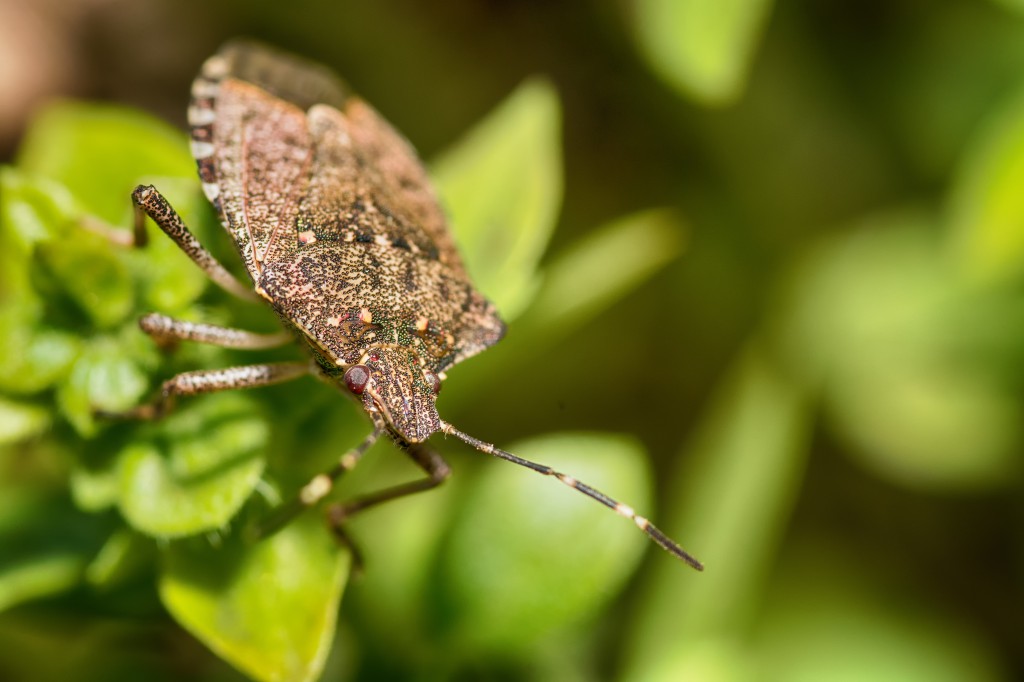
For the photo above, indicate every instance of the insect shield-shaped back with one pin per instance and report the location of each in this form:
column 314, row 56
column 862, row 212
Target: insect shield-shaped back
column 338, row 226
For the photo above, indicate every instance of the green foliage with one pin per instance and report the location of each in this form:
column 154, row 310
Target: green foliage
column 702, row 47
column 831, row 375
column 503, row 187
column 270, row 608
column 511, row 596
column 735, row 497
column 196, row 470
column 879, row 322
column 986, row 206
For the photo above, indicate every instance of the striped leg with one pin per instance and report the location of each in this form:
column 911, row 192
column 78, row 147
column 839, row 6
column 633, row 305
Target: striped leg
column 210, row 381
column 317, row 488
column 437, row 472
column 166, row 331
column 149, row 202
column 623, row 510
column 428, row 459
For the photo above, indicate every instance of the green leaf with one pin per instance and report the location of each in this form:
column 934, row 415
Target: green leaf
column 88, row 269
column 529, row 556
column 95, row 489
column 19, row 421
column 270, row 608
column 731, row 503
column 502, row 185
column 600, row 269
column 99, row 152
column 32, row 210
column 986, row 211
column 877, row 318
column 105, row 376
column 934, row 427
column 45, row 544
column 1012, row 5
column 701, row 47
column 594, row 272
column 193, row 471
column 122, row 555
column 32, row 357
column 39, row 576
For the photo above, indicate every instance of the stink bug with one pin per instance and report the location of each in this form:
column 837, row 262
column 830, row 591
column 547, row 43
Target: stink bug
column 340, row 232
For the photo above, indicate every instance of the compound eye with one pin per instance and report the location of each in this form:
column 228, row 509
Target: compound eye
column 356, row 377
column 433, row 381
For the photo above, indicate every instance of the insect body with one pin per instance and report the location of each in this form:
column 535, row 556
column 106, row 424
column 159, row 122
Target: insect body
column 340, row 232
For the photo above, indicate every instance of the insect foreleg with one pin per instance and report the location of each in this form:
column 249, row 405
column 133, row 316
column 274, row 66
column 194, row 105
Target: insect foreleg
column 427, row 459
column 212, row 380
column 167, row 330
column 317, row 488
column 149, row 202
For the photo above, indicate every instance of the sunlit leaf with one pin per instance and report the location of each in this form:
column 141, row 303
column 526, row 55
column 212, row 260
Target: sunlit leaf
column 268, row 608
column 502, row 186
column 577, row 286
column 601, row 268
column 715, row 658
column 32, row 210
column 99, row 152
column 986, row 213
column 880, row 321
column 731, row 501
column 39, row 576
column 103, row 377
column 94, row 490
column 92, row 276
column 1014, row 5
column 701, row 47
column 195, row 469
column 32, row 357
column 21, row 420
column 528, row 556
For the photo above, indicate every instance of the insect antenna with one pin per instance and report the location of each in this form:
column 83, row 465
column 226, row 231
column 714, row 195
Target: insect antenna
column 621, row 509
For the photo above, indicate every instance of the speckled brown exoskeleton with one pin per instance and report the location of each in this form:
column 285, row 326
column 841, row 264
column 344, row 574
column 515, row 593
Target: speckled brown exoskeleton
column 341, row 233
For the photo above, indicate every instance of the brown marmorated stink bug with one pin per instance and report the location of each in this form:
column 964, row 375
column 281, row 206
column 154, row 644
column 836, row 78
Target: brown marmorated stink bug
column 340, row 231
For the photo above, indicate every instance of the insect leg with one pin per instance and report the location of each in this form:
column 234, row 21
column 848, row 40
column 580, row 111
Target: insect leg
column 317, row 488
column 167, row 330
column 428, row 460
column 212, row 380
column 642, row 523
column 437, row 471
column 149, row 202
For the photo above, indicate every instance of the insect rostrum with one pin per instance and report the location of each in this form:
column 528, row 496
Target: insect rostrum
column 341, row 233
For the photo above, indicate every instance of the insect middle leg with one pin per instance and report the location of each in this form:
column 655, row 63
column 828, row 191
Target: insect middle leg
column 212, row 380
column 167, row 331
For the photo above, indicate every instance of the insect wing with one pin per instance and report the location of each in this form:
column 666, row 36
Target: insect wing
column 332, row 211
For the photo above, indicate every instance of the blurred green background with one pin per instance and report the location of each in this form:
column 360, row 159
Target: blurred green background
column 763, row 266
